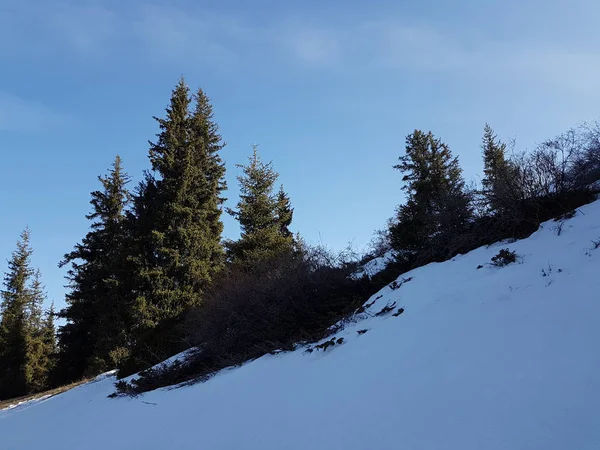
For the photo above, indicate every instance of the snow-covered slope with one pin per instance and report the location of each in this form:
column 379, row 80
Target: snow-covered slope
column 374, row 266
column 490, row 358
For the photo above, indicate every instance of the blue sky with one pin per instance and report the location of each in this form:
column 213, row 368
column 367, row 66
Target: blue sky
column 328, row 89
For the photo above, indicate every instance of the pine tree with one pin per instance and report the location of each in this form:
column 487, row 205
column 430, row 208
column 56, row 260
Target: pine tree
column 13, row 326
column 96, row 315
column 37, row 298
column 264, row 216
column 207, row 143
column 285, row 212
column 48, row 337
column 38, row 354
column 498, row 180
column 24, row 358
column 176, row 220
column 437, row 206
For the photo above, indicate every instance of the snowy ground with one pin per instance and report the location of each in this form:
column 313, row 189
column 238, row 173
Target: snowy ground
column 490, row 358
column 375, row 266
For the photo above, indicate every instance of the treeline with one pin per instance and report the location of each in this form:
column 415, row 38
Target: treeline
column 443, row 217
column 150, row 257
column 154, row 276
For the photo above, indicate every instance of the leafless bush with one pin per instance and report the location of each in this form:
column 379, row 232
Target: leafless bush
column 569, row 162
column 553, row 179
column 288, row 300
column 380, row 243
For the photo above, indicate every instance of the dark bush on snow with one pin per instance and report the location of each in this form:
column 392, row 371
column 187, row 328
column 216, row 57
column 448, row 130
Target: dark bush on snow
column 275, row 306
column 504, row 258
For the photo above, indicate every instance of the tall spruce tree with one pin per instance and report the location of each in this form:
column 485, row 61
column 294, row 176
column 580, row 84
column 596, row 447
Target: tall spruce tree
column 285, row 212
column 97, row 314
column 176, row 221
column 39, row 350
column 13, row 326
column 264, row 215
column 437, row 207
column 48, row 338
column 498, row 173
column 24, row 357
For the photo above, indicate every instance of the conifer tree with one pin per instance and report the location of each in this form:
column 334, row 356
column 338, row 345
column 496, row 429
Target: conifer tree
column 37, row 297
column 24, row 356
column 437, row 206
column 176, row 219
column 13, row 326
column 38, row 353
column 48, row 338
column 264, row 216
column 97, row 315
column 285, row 212
column 498, row 172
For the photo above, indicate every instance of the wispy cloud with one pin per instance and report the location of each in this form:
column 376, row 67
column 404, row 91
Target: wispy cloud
column 311, row 46
column 18, row 114
column 200, row 35
column 85, row 29
column 403, row 47
column 157, row 33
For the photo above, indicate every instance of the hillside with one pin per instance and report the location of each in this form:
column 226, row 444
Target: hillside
column 489, row 358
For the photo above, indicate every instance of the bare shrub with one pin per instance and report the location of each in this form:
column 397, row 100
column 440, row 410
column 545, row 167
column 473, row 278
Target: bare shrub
column 386, row 309
column 381, row 242
column 504, row 258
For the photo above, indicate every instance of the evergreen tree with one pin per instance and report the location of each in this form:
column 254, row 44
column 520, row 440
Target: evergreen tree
column 24, row 357
column 437, row 206
column 499, row 175
column 38, row 354
column 264, row 216
column 48, row 337
column 494, row 167
column 13, row 326
column 285, row 212
column 36, row 303
column 96, row 314
column 176, row 220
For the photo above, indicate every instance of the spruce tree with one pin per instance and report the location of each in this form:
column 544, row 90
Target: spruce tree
column 13, row 326
column 97, row 315
column 437, row 207
column 39, row 353
column 48, row 338
column 264, row 216
column 176, row 221
column 24, row 357
column 285, row 212
column 498, row 174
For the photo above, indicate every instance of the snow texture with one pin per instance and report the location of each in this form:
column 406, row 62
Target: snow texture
column 374, row 266
column 490, row 358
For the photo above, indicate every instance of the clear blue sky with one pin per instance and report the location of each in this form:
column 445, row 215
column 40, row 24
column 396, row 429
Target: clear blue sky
column 328, row 89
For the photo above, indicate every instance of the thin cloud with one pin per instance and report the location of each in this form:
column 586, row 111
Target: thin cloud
column 403, row 48
column 86, row 29
column 18, row 114
column 202, row 36
column 311, row 46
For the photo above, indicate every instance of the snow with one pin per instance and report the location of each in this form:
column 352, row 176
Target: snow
column 376, row 265
column 26, row 403
column 491, row 358
column 178, row 358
